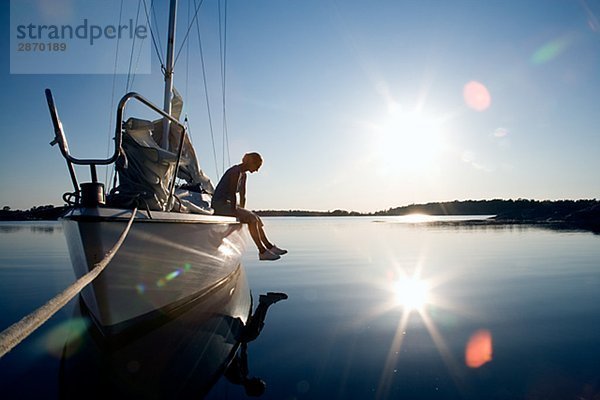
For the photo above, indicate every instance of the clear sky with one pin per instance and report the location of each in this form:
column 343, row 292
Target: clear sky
column 357, row 105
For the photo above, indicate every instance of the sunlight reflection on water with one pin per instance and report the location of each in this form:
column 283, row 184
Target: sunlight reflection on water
column 411, row 293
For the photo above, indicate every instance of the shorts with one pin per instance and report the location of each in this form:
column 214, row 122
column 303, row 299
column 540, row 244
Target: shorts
column 223, row 209
column 245, row 216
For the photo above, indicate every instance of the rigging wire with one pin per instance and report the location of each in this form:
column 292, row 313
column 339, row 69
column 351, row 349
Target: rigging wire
column 137, row 62
column 153, row 9
column 112, row 99
column 210, row 123
column 223, row 48
column 129, row 84
column 187, row 57
column 187, row 80
column 129, row 74
column 223, row 51
column 156, row 47
column 188, row 31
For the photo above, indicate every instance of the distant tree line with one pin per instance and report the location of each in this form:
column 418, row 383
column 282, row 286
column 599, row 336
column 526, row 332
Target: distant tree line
column 577, row 213
column 569, row 213
column 47, row 212
column 502, row 209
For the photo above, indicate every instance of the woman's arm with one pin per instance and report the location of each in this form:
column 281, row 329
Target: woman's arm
column 243, row 191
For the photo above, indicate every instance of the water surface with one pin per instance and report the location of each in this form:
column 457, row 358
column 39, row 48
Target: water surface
column 377, row 308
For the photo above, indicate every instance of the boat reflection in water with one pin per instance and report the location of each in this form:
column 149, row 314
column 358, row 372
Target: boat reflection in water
column 179, row 355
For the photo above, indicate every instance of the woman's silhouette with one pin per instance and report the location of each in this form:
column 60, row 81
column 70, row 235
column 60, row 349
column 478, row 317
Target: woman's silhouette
column 237, row 371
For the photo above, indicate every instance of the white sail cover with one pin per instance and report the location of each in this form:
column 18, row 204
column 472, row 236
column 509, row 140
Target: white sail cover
column 146, row 170
column 146, row 173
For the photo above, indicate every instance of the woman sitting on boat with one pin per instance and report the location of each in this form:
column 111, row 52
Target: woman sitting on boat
column 224, row 202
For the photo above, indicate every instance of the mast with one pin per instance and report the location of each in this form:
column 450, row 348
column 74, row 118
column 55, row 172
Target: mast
column 169, row 73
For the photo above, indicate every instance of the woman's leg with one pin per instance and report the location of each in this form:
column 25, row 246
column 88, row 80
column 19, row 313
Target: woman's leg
column 254, row 232
column 255, row 227
column 263, row 236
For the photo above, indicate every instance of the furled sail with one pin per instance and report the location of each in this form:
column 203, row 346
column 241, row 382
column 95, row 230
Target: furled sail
column 146, row 170
column 189, row 168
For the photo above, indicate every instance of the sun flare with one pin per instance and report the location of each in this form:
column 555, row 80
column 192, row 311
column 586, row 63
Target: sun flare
column 411, row 293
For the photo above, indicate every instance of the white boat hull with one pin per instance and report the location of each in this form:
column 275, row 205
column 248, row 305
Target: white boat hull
column 166, row 261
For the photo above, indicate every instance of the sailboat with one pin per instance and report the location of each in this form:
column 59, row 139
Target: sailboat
column 177, row 250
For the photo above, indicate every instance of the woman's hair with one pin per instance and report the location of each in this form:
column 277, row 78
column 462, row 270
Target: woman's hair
column 252, row 156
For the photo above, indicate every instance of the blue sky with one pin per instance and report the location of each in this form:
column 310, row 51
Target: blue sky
column 353, row 105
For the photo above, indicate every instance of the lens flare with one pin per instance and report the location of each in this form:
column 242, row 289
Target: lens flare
column 500, row 132
column 170, row 276
column 477, row 96
column 73, row 329
column 550, row 50
column 479, row 349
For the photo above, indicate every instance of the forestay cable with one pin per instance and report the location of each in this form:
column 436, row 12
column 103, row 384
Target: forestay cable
column 17, row 332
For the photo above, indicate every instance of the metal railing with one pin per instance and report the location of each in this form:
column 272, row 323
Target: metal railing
column 61, row 139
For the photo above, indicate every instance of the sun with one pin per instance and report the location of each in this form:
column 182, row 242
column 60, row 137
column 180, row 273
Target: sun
column 408, row 141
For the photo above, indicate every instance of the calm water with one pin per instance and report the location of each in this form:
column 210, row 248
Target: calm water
column 377, row 308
